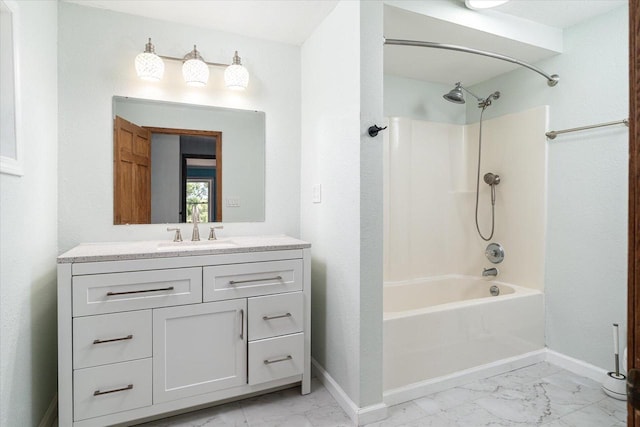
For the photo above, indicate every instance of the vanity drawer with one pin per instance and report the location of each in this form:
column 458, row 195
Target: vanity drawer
column 251, row 279
column 109, row 293
column 111, row 388
column 111, row 338
column 275, row 315
column 274, row 358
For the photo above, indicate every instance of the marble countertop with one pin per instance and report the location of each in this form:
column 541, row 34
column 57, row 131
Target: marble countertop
column 117, row 251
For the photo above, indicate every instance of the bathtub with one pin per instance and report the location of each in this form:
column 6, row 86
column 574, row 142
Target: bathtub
column 439, row 326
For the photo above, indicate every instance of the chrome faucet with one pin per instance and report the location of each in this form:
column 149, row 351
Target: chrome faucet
column 178, row 236
column 490, row 272
column 195, row 214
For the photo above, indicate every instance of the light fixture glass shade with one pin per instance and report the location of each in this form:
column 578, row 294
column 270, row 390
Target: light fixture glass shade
column 194, row 70
column 236, row 76
column 149, row 66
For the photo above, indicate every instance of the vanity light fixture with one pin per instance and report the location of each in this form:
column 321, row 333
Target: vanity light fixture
column 195, row 69
column 483, row 4
column 149, row 66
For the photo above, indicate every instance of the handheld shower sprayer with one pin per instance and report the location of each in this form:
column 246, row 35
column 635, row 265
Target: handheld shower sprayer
column 491, row 179
column 485, row 102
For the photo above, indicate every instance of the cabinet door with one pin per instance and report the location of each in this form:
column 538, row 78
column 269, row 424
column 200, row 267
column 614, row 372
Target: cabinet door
column 199, row 349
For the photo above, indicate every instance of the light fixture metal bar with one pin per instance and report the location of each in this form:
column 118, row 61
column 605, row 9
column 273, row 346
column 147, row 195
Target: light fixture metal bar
column 552, row 79
column 213, row 64
column 552, row 134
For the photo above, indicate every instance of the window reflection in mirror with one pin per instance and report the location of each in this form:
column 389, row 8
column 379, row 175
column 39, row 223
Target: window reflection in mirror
column 168, row 158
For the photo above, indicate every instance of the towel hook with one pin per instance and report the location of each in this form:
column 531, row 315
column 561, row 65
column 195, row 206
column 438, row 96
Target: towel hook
column 373, row 130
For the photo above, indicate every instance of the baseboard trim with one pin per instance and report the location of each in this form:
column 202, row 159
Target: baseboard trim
column 359, row 416
column 424, row 388
column 578, row 367
column 51, row 414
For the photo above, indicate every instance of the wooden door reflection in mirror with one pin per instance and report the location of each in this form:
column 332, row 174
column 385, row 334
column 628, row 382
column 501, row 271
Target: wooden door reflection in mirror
column 132, row 173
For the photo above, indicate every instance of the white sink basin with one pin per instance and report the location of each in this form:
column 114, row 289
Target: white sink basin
column 202, row 244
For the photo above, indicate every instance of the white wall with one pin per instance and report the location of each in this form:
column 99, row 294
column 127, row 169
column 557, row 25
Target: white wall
column 331, row 158
column 96, row 53
column 420, row 100
column 28, row 222
column 430, row 187
column 339, row 103
column 586, row 255
column 371, row 203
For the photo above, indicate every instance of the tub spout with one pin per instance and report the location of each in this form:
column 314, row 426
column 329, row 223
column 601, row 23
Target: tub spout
column 490, row 272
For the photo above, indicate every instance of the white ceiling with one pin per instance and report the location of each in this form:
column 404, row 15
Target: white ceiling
column 558, row 13
column 286, row 21
column 292, row 21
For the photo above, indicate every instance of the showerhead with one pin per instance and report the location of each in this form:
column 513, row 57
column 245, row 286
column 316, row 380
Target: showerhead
column 491, row 179
column 455, row 95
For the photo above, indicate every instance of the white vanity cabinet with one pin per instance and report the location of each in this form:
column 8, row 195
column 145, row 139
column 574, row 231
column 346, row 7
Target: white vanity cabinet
column 143, row 333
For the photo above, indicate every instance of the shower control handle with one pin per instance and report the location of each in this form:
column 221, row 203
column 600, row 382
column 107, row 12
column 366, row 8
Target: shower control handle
column 494, row 253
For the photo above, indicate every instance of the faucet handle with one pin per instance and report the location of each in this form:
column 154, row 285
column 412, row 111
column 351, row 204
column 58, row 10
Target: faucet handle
column 178, row 236
column 212, row 232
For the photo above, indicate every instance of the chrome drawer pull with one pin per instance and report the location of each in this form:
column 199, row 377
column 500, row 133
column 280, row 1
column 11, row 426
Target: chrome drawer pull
column 235, row 282
column 267, row 362
column 276, row 317
column 98, row 392
column 110, row 294
column 128, row 337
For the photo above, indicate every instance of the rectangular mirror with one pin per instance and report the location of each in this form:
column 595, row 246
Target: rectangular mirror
column 169, row 158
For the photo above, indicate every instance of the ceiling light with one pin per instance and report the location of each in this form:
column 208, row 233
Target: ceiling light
column 149, row 66
column 483, row 4
column 194, row 70
column 236, row 76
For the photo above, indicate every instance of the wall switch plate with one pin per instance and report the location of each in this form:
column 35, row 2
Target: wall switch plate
column 317, row 194
column 233, row 202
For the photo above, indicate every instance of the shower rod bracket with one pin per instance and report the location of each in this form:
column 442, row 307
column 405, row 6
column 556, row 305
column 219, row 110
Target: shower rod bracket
column 373, row 130
column 552, row 79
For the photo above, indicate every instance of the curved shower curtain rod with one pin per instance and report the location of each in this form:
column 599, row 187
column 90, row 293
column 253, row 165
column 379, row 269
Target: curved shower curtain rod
column 552, row 79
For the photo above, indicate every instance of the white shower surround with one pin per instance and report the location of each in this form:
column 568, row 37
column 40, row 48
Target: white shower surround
column 429, row 233
column 429, row 197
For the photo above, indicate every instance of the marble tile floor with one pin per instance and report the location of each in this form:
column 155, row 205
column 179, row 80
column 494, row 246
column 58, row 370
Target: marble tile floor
column 538, row 395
